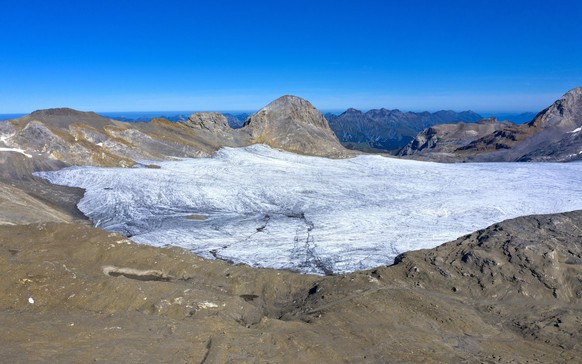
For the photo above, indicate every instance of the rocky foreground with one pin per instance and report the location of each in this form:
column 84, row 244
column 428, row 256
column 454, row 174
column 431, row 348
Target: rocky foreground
column 74, row 293
column 509, row 293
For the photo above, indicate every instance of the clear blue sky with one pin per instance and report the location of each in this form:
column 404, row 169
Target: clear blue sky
column 147, row 55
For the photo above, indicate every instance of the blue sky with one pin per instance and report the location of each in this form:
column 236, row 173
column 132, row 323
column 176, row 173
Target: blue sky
column 488, row 56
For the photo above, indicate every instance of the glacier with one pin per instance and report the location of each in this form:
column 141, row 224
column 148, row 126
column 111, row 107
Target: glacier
column 270, row 208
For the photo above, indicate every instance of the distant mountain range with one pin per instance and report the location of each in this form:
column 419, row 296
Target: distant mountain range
column 384, row 129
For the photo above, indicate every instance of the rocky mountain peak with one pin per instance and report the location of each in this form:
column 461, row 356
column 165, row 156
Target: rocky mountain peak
column 288, row 101
column 292, row 109
column 293, row 124
column 564, row 113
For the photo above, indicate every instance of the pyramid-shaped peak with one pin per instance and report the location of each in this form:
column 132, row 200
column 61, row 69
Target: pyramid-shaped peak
column 293, row 124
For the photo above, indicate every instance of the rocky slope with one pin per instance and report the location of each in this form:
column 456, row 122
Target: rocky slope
column 508, row 293
column 383, row 129
column 551, row 136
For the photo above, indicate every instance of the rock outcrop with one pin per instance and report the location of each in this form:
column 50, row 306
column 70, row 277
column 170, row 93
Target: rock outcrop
column 443, row 142
column 211, row 121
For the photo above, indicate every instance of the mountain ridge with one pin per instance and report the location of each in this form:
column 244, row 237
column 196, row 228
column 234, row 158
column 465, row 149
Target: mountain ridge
column 385, row 129
column 549, row 136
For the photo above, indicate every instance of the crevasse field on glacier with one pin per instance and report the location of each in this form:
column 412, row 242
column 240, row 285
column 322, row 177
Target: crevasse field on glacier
column 269, row 208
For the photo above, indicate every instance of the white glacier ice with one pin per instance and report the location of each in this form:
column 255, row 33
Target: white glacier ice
column 269, row 208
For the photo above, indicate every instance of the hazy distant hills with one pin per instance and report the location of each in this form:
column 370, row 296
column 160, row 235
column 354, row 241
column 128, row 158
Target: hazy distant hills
column 384, row 129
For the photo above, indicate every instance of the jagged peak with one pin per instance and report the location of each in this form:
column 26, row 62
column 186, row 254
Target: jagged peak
column 564, row 112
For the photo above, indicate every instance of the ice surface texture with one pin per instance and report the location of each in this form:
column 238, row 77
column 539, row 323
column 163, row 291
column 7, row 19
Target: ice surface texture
column 269, row 208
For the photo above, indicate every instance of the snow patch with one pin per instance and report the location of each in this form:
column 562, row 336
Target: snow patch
column 577, row 130
column 4, row 138
column 269, row 208
column 16, row 150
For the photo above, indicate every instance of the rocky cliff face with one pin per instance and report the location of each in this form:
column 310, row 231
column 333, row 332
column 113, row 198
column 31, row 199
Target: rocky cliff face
column 384, row 129
column 293, row 124
column 551, row 136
